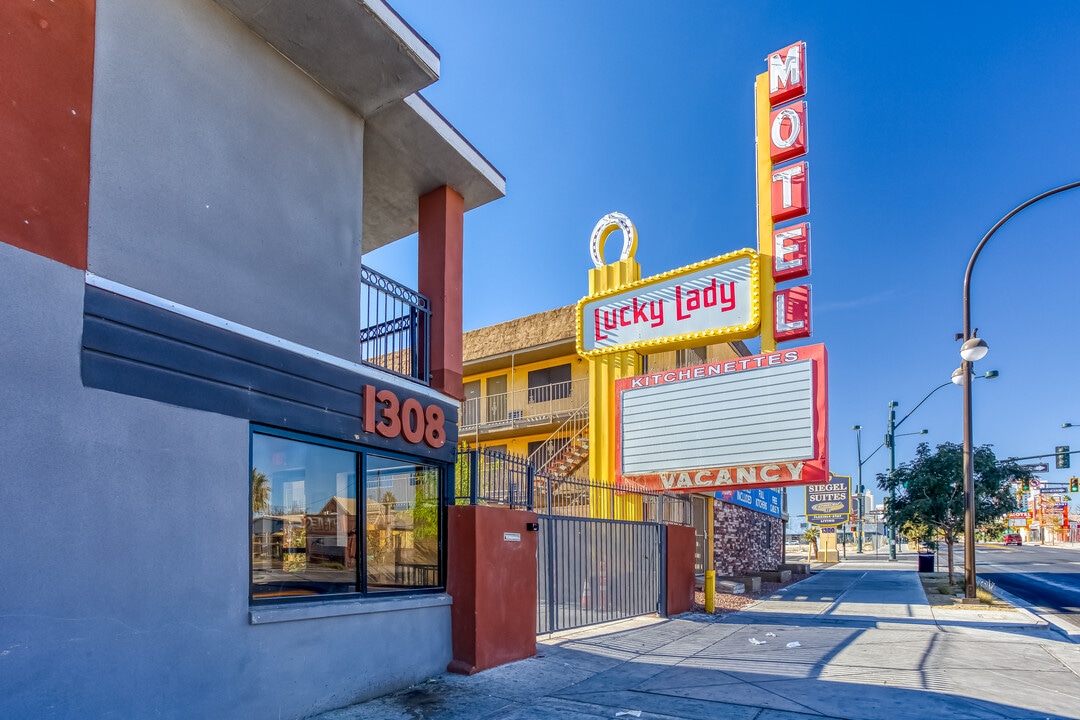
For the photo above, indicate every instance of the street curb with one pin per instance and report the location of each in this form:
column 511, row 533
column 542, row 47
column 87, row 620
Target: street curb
column 1072, row 635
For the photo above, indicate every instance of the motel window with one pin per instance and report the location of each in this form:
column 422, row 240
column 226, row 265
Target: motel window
column 551, row 383
column 332, row 519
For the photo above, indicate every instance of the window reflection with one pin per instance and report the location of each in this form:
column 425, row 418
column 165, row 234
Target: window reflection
column 303, row 521
column 402, row 524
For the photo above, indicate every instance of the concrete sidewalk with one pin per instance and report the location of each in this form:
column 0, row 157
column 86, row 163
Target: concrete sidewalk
column 869, row 646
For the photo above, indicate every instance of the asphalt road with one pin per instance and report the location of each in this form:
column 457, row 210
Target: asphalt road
column 1048, row 577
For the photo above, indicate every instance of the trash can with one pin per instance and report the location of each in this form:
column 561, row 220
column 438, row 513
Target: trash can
column 926, row 562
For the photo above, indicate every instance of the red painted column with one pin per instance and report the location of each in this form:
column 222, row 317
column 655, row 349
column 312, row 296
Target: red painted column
column 491, row 574
column 47, row 56
column 442, row 217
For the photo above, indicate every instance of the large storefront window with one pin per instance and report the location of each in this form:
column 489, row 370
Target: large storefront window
column 309, row 534
column 402, row 524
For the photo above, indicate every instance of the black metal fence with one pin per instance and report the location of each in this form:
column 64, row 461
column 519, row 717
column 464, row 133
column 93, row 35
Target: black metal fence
column 592, row 571
column 487, row 477
column 394, row 326
column 600, row 550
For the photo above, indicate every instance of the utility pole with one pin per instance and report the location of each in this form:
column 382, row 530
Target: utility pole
column 859, row 510
column 890, row 440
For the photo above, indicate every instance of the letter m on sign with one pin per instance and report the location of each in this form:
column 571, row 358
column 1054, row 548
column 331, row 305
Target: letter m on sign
column 787, row 74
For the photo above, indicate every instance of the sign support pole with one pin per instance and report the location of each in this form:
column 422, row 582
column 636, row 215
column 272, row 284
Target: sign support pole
column 604, row 370
column 767, row 285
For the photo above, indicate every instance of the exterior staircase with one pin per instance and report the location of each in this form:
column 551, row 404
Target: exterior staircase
column 567, row 448
column 572, row 457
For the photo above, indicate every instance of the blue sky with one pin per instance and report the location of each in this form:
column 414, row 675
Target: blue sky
column 927, row 123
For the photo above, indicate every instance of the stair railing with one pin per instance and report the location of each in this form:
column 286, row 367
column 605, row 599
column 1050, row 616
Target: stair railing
column 573, row 430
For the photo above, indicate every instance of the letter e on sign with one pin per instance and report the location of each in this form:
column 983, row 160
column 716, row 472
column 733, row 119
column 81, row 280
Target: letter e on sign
column 787, row 74
column 787, row 132
column 791, row 252
column 792, row 313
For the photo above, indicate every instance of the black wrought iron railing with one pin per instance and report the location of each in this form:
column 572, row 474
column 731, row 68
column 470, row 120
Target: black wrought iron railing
column 488, row 477
column 394, row 326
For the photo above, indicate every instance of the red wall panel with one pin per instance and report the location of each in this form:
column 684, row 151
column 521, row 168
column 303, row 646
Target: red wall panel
column 47, row 56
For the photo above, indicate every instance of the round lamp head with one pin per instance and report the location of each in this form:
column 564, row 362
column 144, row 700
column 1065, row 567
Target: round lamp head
column 974, row 349
column 958, row 376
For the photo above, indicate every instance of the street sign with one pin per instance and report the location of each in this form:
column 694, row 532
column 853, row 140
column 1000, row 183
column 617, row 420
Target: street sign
column 1036, row 467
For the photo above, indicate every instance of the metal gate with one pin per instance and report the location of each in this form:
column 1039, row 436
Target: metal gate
column 593, row 571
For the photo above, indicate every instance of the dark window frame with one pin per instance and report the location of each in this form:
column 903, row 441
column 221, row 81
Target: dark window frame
column 548, row 390
column 360, row 452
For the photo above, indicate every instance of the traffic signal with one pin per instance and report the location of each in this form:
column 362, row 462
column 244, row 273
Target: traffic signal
column 1025, row 485
column 1062, row 457
column 1074, row 485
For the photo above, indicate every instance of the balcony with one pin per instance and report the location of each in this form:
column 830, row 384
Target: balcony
column 395, row 327
column 532, row 407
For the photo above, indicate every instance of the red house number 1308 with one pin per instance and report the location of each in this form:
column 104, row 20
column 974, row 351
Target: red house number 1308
column 388, row 416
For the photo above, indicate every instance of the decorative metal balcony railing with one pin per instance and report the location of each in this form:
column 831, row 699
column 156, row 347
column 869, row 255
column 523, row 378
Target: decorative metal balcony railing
column 523, row 408
column 394, row 327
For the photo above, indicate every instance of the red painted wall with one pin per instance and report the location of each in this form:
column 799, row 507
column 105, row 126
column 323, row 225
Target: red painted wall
column 440, row 243
column 681, row 545
column 47, row 56
column 493, row 583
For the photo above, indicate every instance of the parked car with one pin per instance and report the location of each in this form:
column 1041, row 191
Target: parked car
column 1013, row 539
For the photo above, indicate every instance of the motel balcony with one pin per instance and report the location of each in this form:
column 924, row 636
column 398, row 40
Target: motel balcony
column 394, row 327
column 534, row 407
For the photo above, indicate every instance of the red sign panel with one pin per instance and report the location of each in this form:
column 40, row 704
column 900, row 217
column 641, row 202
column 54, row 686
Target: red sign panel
column 787, row 132
column 790, row 197
column 705, row 428
column 791, row 252
column 792, row 313
column 787, row 74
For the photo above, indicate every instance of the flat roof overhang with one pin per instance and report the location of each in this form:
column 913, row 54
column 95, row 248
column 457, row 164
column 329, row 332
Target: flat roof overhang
column 410, row 150
column 361, row 51
column 515, row 358
column 366, row 56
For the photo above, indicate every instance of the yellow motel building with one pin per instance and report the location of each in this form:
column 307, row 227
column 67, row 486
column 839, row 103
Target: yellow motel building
column 527, row 394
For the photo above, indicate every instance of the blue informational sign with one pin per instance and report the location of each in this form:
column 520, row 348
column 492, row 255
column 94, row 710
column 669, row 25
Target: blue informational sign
column 763, row 500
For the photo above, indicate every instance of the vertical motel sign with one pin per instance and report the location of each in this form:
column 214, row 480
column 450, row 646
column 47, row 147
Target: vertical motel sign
column 783, row 196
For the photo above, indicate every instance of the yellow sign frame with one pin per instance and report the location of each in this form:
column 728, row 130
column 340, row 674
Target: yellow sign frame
column 678, row 342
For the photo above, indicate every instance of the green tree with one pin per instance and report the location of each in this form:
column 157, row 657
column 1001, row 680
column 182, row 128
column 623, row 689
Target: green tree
column 930, row 491
column 260, row 492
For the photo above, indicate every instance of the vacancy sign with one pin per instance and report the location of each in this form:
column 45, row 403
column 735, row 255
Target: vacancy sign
column 755, row 421
column 713, row 300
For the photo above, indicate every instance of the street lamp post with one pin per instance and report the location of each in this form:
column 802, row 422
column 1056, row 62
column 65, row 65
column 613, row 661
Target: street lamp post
column 859, row 510
column 975, row 349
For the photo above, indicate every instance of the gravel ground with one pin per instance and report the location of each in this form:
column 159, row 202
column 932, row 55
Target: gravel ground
column 728, row 603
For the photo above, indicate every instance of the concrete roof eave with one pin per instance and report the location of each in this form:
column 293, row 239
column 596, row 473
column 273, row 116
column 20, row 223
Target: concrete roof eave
column 410, row 150
column 361, row 51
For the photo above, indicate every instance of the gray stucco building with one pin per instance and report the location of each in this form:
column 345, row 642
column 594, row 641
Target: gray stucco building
column 216, row 503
